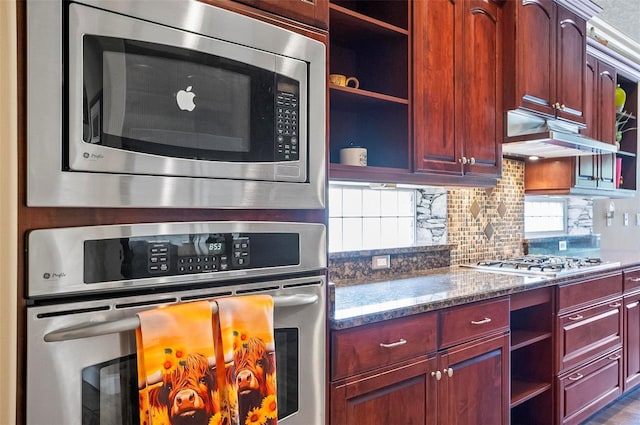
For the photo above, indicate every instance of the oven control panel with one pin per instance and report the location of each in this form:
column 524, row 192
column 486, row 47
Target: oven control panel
column 173, row 255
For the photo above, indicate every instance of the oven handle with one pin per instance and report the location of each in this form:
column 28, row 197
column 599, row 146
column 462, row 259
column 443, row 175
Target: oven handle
column 132, row 323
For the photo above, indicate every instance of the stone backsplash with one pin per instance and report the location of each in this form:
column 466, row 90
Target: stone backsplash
column 481, row 223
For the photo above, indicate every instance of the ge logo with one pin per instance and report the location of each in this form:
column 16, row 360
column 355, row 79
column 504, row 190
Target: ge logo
column 85, row 155
column 46, row 275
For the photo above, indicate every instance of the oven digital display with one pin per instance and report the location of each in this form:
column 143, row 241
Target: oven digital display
column 201, row 245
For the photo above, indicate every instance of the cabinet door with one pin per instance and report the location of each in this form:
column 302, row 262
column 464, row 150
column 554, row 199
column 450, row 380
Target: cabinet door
column 479, row 86
column 570, row 69
column 403, row 394
column 631, row 341
column 474, row 388
column 312, row 12
column 435, row 115
column 606, row 113
column 607, row 171
column 591, row 98
column 536, row 63
column 587, row 171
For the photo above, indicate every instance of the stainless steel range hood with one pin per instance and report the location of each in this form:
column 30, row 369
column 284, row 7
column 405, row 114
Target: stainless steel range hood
column 529, row 135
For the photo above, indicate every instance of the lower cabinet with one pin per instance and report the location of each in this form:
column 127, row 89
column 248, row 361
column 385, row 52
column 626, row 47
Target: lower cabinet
column 392, row 372
column 631, row 303
column 475, row 381
column 402, row 394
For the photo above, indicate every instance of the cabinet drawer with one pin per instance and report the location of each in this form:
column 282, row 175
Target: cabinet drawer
column 587, row 333
column 590, row 388
column 366, row 347
column 580, row 293
column 631, row 279
column 460, row 324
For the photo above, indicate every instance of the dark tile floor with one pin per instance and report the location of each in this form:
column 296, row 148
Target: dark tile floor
column 625, row 411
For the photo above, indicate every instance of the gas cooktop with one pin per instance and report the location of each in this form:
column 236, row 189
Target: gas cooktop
column 542, row 265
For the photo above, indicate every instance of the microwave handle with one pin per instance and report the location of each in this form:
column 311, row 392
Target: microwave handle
column 132, row 323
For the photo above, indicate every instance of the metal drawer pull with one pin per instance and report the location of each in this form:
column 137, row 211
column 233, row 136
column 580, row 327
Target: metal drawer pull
column 448, row 372
column 615, row 357
column 437, row 375
column 481, row 322
column 615, row 305
column 577, row 377
column 393, row 344
column 577, row 317
column 634, row 279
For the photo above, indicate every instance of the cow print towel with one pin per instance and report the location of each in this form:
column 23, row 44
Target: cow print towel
column 199, row 368
column 246, row 352
column 176, row 366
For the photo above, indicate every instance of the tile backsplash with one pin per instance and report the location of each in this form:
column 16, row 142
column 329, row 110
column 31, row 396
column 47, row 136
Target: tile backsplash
column 480, row 223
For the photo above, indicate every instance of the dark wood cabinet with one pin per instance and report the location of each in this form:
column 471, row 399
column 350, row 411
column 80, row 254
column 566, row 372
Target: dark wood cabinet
column 600, row 88
column 631, row 284
column 545, row 53
column 393, row 372
column 589, row 346
column 402, row 394
column 474, row 383
column 311, row 12
column 631, row 341
column 457, row 94
column 370, row 40
column 581, row 175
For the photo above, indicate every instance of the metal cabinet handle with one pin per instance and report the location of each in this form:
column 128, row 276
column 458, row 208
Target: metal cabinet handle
column 615, row 305
column 634, row 279
column 402, row 341
column 472, row 160
column 481, row 322
column 615, row 357
column 448, row 371
column 577, row 377
column 463, row 160
column 562, row 107
column 576, row 317
column 437, row 375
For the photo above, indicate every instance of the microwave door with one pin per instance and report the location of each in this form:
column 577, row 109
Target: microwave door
column 152, row 100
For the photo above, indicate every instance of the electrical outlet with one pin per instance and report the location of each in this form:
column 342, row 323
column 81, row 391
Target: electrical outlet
column 638, row 219
column 562, row 245
column 625, row 219
column 380, row 262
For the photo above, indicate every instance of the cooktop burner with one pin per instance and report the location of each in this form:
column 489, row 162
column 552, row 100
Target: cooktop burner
column 544, row 265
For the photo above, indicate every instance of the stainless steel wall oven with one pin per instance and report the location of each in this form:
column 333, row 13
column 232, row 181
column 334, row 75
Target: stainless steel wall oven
column 86, row 285
column 171, row 104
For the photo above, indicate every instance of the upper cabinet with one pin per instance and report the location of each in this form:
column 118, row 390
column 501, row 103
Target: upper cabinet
column 369, row 44
column 545, row 54
column 457, row 93
column 312, row 12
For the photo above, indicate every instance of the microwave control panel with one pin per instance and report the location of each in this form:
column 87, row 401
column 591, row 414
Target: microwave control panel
column 108, row 260
column 286, row 116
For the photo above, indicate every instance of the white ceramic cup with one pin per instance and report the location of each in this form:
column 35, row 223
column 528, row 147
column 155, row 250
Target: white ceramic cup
column 353, row 156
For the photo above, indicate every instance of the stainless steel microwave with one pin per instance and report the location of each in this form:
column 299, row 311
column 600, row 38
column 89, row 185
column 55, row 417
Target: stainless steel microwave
column 171, row 104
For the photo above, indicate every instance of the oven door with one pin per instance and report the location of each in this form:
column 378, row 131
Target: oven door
column 154, row 100
column 81, row 356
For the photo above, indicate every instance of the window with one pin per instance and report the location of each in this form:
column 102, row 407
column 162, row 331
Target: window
column 546, row 217
column 364, row 218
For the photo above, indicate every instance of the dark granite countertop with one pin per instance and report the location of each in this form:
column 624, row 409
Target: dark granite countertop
column 359, row 303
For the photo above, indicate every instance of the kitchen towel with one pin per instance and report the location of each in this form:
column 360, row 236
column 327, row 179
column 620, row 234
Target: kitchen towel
column 246, row 352
column 177, row 379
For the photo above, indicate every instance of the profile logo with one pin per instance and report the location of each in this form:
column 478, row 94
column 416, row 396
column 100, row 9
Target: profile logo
column 46, row 276
column 185, row 99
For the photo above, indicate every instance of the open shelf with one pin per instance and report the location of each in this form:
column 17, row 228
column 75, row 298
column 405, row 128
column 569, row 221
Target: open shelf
column 522, row 391
column 521, row 338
